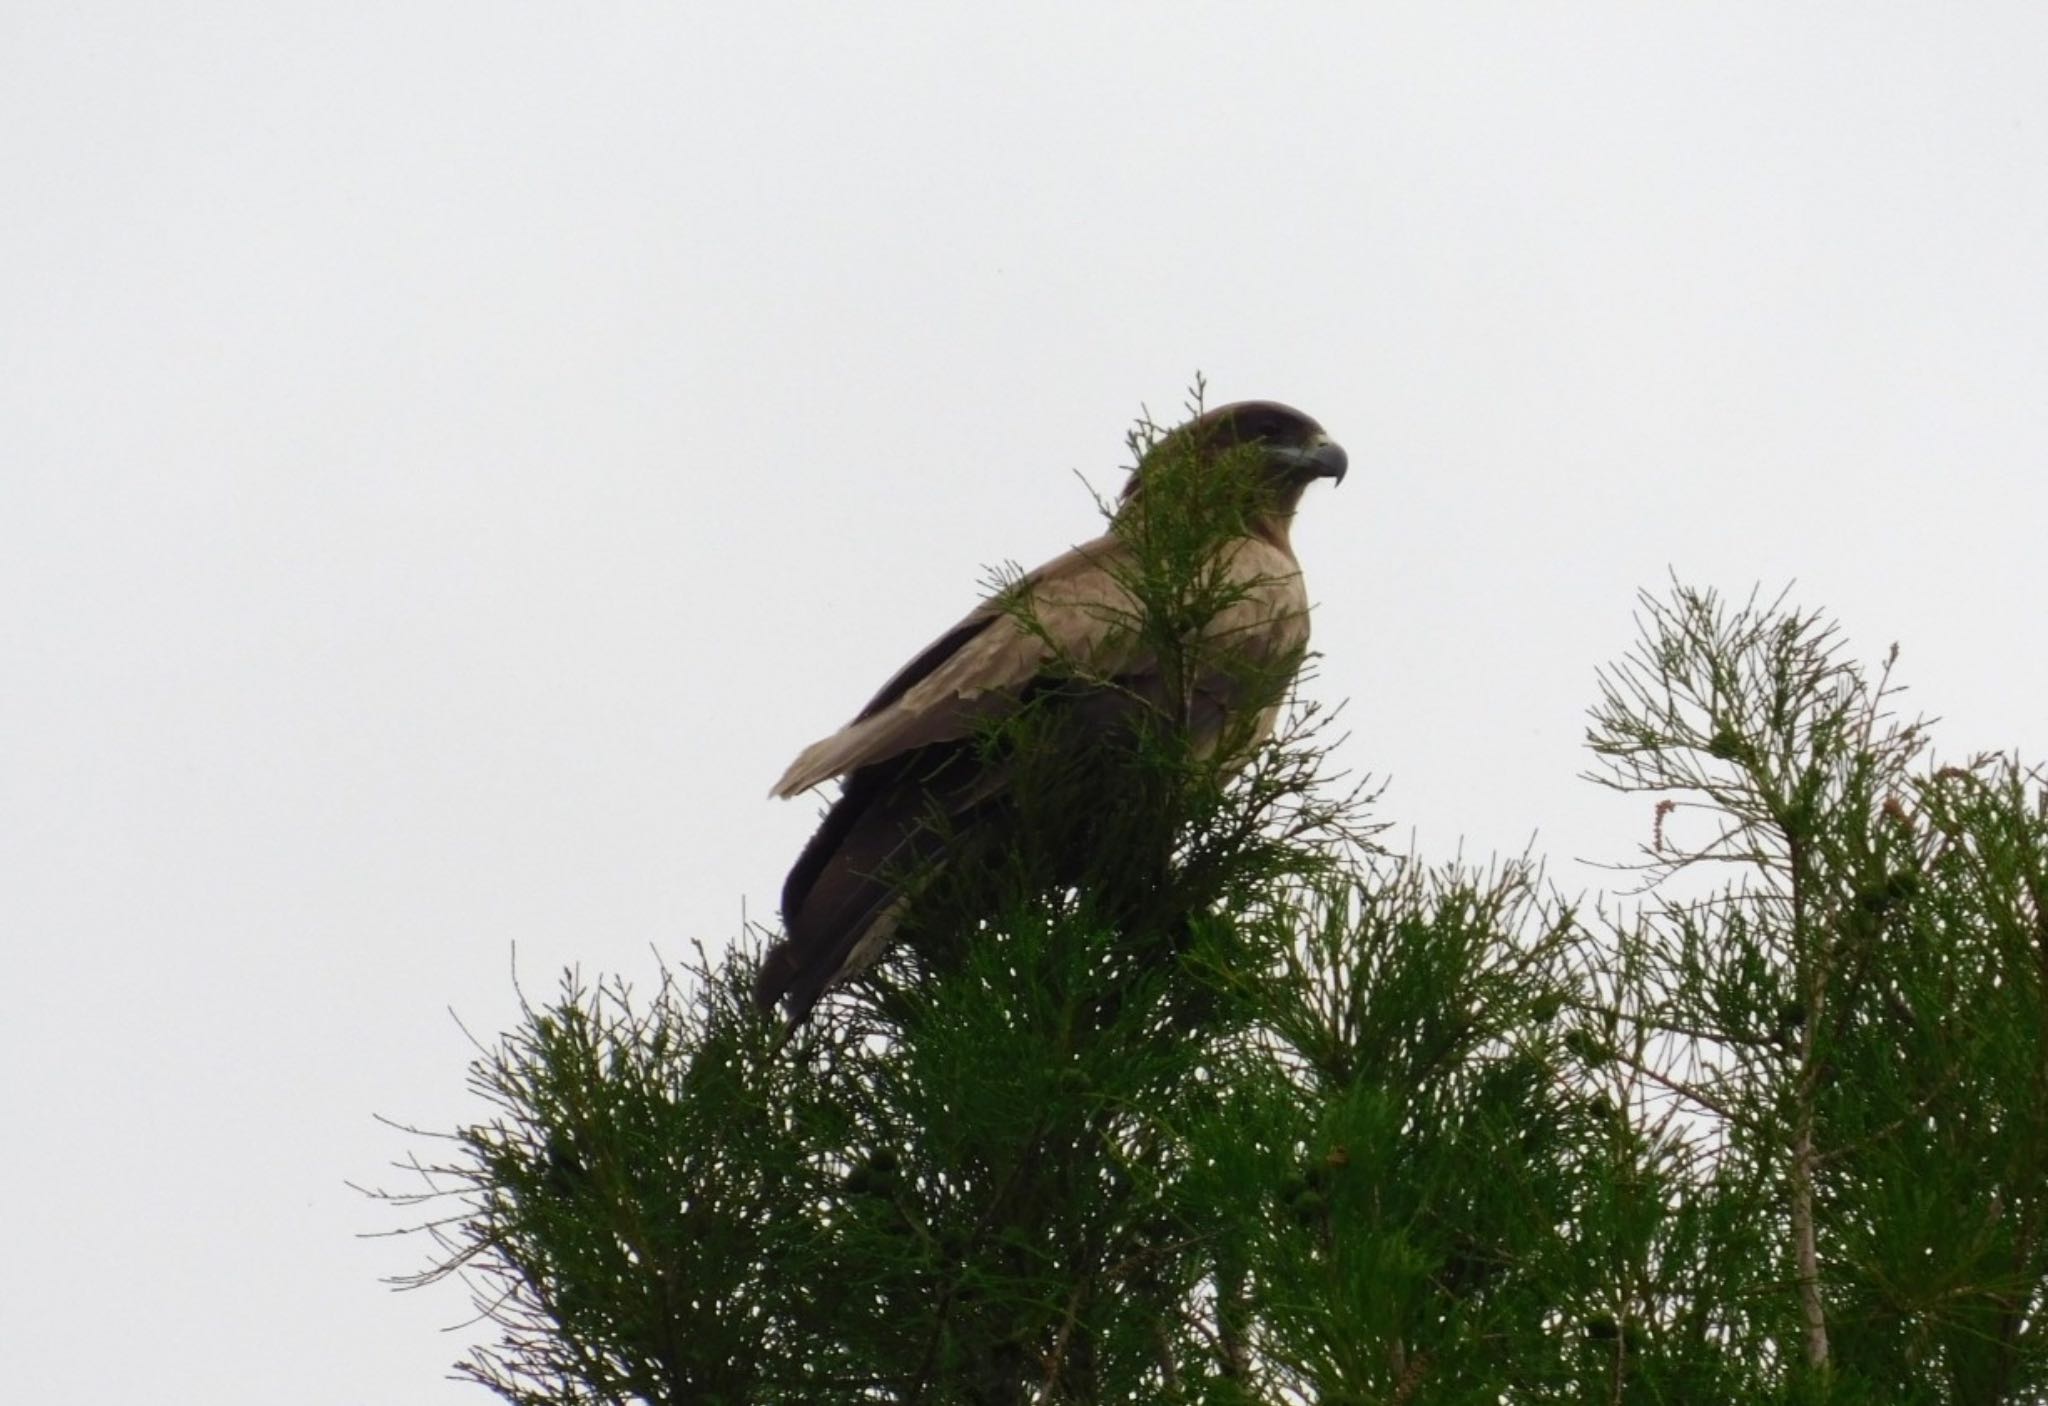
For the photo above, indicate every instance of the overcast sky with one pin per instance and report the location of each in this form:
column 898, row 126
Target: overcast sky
column 453, row 456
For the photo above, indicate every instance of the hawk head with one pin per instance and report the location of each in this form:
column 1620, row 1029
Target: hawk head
column 1279, row 451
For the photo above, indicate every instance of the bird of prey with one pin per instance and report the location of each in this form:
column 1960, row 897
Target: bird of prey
column 909, row 763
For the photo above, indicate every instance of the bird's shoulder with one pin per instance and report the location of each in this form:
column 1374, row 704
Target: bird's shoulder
column 1074, row 609
column 1047, row 606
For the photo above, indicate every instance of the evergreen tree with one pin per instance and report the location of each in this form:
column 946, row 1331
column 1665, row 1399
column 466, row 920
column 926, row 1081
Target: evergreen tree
column 1183, row 1092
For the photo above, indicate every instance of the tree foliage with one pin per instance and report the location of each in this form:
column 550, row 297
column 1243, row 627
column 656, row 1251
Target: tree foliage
column 1183, row 1092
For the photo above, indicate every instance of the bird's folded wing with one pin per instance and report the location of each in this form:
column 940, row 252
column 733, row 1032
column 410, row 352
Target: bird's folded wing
column 1070, row 615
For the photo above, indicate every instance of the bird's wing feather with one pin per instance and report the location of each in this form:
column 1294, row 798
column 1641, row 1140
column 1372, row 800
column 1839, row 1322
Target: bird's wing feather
column 1078, row 616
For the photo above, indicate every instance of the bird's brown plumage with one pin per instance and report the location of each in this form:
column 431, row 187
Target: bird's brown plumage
column 908, row 758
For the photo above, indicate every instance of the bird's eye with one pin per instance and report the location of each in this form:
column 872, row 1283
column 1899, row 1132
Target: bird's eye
column 1259, row 429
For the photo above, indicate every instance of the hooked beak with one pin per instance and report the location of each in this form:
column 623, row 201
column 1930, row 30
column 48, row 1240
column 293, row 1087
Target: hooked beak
column 1322, row 458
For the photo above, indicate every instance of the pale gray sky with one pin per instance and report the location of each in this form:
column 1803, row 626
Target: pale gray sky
column 452, row 456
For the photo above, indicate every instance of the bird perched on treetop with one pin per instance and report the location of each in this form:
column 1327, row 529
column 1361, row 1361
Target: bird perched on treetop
column 1072, row 634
